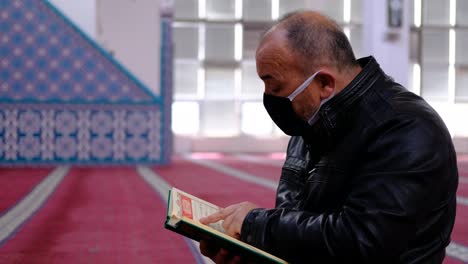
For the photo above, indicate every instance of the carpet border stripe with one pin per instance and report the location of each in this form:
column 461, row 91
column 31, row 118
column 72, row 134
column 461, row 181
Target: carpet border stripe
column 259, row 160
column 162, row 188
column 458, row 251
column 23, row 211
column 229, row 171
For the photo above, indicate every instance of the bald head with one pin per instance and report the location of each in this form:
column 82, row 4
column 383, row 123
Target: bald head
column 314, row 39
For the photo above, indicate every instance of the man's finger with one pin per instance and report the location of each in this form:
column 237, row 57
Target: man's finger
column 220, row 215
column 227, row 225
column 213, row 218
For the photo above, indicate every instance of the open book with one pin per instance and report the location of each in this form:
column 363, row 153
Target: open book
column 183, row 214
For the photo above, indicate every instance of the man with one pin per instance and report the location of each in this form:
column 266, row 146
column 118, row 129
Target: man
column 370, row 174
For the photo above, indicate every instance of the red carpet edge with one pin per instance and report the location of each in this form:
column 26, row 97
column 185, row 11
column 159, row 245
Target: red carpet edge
column 17, row 216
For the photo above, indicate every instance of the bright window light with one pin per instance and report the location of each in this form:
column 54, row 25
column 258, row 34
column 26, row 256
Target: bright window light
column 201, row 41
column 452, row 46
column 347, row 11
column 417, row 79
column 238, row 82
column 201, row 83
column 274, row 9
column 185, row 118
column 238, row 42
column 453, row 12
column 278, row 132
column 238, row 11
column 417, row 13
column 202, row 9
column 347, row 32
column 255, row 119
column 451, row 69
column 219, row 118
column 459, row 113
column 451, row 83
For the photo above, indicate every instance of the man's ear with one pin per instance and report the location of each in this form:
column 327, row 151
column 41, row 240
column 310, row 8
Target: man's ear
column 327, row 84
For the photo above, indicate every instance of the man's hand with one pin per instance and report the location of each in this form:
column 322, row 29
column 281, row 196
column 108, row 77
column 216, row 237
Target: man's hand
column 219, row 255
column 233, row 217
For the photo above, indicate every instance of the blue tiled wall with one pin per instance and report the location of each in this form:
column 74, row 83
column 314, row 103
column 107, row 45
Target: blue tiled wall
column 65, row 100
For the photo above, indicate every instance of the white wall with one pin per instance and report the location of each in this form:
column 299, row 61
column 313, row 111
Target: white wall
column 128, row 28
column 81, row 12
column 131, row 31
column 389, row 46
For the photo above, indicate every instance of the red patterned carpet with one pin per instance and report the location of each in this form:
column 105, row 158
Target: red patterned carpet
column 98, row 216
column 115, row 215
column 16, row 183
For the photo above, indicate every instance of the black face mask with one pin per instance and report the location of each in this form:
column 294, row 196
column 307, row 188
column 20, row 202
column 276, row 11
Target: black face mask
column 282, row 113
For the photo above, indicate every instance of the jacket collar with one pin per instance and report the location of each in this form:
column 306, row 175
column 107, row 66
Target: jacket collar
column 335, row 113
column 355, row 90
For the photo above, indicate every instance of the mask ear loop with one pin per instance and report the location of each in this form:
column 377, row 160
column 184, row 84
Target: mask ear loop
column 302, row 87
column 315, row 116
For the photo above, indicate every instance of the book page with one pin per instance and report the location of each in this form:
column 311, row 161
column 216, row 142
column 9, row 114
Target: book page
column 194, row 208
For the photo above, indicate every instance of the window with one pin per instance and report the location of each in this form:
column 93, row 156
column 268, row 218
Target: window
column 185, row 118
column 252, row 86
column 335, row 10
column 257, row 10
column 219, row 118
column 462, row 10
column 251, row 39
column 435, row 81
column 461, row 52
column 221, row 10
column 435, row 46
column 186, row 41
column 461, row 92
column 287, row 6
column 414, row 46
column 255, row 119
column 220, row 83
column 219, row 43
column 438, row 40
column 356, row 41
column 186, row 9
column 186, row 74
column 356, row 11
column 461, row 61
column 435, row 12
column 217, row 90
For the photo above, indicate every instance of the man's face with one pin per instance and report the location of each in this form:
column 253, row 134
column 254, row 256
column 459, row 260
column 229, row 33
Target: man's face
column 281, row 72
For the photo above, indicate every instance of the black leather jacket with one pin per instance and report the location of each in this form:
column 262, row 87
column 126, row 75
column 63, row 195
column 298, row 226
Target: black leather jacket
column 374, row 182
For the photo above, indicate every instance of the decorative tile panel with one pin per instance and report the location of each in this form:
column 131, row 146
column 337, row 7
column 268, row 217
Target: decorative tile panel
column 80, row 134
column 45, row 58
column 64, row 100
